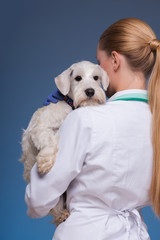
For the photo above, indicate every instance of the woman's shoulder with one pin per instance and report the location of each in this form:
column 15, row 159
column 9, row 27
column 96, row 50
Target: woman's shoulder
column 111, row 112
column 90, row 115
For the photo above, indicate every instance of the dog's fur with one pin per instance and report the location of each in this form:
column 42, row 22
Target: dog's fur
column 82, row 83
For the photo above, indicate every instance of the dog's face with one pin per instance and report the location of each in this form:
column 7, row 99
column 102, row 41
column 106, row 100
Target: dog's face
column 82, row 82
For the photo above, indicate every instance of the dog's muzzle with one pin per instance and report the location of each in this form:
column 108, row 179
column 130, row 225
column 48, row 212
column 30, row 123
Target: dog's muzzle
column 89, row 92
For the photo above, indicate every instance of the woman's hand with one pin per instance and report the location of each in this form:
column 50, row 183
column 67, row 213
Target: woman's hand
column 54, row 97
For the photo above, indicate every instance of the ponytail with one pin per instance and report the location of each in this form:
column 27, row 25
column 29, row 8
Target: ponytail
column 154, row 103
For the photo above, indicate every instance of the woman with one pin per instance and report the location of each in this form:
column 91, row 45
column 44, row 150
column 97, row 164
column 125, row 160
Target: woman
column 106, row 161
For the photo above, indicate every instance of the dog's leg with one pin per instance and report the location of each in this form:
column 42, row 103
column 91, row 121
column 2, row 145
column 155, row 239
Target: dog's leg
column 60, row 213
column 46, row 140
column 46, row 158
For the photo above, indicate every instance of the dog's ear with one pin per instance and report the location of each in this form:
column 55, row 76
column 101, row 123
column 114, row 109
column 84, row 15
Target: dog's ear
column 62, row 81
column 104, row 79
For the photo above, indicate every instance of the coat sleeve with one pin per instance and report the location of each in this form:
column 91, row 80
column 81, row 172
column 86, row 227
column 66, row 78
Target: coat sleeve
column 43, row 193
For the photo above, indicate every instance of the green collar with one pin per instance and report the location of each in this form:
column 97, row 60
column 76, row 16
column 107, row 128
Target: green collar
column 143, row 97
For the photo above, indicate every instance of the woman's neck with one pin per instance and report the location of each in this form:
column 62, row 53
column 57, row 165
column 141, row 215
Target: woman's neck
column 128, row 79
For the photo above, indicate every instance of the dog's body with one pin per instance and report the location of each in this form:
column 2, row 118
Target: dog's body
column 40, row 138
column 81, row 82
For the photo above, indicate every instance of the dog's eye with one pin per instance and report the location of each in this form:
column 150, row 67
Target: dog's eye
column 78, row 78
column 96, row 78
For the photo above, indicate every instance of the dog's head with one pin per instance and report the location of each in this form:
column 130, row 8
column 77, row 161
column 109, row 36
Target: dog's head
column 82, row 82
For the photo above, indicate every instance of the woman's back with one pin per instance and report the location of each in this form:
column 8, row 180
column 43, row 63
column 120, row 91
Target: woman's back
column 116, row 174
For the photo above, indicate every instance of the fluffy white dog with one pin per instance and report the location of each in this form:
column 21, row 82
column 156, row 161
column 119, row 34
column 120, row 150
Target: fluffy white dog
column 82, row 83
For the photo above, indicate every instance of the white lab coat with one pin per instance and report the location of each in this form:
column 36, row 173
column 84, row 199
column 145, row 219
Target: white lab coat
column 105, row 164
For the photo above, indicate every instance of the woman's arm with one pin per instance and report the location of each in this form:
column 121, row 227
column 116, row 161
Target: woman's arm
column 43, row 193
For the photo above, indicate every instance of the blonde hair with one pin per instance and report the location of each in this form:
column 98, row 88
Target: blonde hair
column 137, row 42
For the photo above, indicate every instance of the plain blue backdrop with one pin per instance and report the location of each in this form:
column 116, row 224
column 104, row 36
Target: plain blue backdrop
column 38, row 40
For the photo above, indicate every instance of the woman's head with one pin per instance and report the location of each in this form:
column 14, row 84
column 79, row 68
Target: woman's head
column 134, row 39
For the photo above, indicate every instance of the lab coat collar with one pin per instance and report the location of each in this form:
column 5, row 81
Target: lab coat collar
column 128, row 91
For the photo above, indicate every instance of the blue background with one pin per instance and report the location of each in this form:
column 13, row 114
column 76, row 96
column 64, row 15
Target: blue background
column 38, row 40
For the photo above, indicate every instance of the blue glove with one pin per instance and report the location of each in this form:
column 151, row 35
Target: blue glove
column 54, row 97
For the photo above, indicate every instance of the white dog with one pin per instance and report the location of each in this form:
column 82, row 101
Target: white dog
column 82, row 83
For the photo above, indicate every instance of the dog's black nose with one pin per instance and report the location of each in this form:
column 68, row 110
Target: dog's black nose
column 90, row 92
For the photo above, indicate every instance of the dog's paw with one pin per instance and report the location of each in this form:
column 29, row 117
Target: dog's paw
column 62, row 216
column 44, row 163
